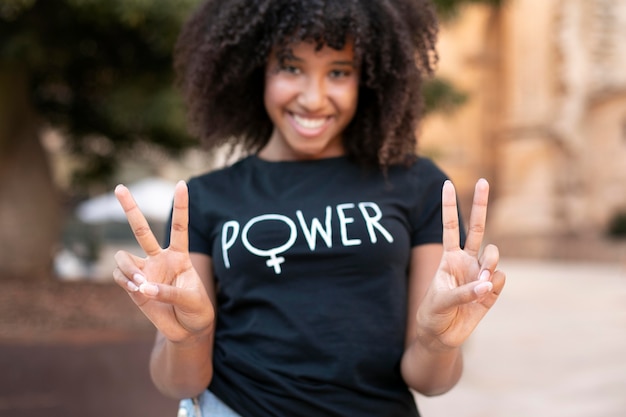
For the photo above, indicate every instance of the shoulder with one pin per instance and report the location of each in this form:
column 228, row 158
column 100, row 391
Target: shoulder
column 219, row 187
column 421, row 175
column 427, row 169
column 221, row 175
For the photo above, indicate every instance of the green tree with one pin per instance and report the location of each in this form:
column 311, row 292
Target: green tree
column 440, row 94
column 448, row 9
column 101, row 72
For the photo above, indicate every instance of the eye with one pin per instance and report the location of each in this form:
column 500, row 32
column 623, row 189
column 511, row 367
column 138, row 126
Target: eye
column 290, row 69
column 340, row 73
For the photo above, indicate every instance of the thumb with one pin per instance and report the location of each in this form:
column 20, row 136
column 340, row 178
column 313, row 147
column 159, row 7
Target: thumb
column 464, row 294
column 188, row 300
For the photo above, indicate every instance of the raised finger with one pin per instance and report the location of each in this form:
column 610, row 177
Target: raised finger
column 137, row 221
column 179, row 235
column 478, row 218
column 449, row 217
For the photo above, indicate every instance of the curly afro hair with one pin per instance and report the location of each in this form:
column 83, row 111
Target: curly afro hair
column 221, row 53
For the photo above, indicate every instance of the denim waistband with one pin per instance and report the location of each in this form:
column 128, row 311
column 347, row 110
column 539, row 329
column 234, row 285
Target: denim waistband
column 205, row 405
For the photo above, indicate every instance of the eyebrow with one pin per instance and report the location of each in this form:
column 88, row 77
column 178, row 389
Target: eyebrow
column 346, row 63
column 288, row 56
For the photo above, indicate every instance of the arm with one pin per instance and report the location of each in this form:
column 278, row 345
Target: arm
column 450, row 291
column 176, row 291
column 426, row 369
column 184, row 368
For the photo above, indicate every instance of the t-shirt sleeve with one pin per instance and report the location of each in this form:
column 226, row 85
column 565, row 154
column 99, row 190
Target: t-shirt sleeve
column 199, row 240
column 428, row 224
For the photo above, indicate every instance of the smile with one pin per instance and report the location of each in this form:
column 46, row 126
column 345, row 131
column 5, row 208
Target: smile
column 309, row 123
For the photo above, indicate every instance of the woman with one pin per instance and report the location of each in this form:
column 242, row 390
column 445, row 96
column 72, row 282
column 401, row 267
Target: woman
column 322, row 274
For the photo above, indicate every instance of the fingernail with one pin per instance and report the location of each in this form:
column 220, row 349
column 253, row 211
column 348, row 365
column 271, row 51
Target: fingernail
column 139, row 279
column 148, row 289
column 483, row 288
column 484, row 276
column 132, row 287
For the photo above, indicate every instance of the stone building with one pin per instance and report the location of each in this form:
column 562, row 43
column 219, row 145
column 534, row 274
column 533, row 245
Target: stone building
column 545, row 121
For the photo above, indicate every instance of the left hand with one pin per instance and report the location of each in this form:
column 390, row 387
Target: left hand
column 467, row 283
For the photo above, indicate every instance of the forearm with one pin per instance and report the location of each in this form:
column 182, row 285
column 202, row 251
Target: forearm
column 431, row 370
column 182, row 369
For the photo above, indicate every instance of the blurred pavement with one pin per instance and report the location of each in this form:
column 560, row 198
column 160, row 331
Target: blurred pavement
column 554, row 345
column 83, row 375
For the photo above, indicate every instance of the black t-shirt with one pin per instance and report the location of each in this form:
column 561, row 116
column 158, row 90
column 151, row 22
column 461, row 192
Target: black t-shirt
column 310, row 260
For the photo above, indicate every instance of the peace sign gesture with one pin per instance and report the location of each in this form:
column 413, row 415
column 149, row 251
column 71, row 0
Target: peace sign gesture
column 164, row 284
column 467, row 283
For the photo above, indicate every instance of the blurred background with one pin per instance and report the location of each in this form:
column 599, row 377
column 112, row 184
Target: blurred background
column 530, row 94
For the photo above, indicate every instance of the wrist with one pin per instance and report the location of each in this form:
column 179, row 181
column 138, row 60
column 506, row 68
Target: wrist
column 193, row 338
column 431, row 367
column 433, row 343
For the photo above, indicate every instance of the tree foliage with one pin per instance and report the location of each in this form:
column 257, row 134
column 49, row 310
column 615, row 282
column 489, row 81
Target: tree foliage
column 440, row 95
column 450, row 8
column 100, row 70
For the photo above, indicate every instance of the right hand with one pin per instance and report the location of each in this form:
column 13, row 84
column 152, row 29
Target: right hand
column 467, row 283
column 164, row 284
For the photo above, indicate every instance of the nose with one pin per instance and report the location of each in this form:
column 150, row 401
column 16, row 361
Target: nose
column 312, row 95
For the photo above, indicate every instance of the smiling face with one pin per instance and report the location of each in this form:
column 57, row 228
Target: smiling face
column 310, row 96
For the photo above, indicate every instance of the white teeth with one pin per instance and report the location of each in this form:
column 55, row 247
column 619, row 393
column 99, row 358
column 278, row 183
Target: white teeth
column 309, row 123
